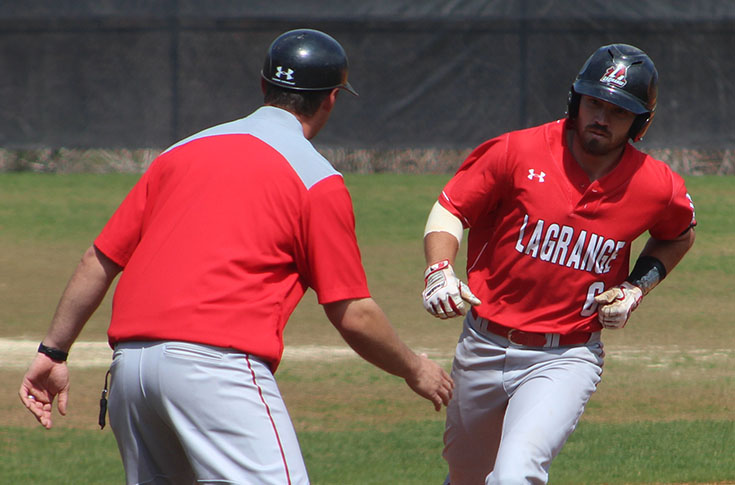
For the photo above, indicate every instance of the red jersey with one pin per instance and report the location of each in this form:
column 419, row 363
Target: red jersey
column 543, row 239
column 224, row 233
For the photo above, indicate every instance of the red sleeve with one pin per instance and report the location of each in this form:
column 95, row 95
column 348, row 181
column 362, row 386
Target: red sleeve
column 679, row 215
column 332, row 256
column 122, row 233
column 475, row 190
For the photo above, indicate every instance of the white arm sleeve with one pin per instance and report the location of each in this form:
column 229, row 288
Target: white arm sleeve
column 441, row 220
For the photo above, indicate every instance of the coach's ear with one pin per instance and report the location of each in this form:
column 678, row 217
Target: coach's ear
column 331, row 100
column 315, row 123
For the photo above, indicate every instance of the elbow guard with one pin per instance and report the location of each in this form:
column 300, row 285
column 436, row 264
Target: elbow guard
column 441, row 220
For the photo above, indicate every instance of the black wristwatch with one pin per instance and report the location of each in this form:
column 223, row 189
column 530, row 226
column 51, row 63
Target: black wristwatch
column 52, row 353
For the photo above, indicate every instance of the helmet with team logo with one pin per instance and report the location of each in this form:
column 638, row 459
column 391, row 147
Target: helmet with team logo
column 623, row 75
column 306, row 60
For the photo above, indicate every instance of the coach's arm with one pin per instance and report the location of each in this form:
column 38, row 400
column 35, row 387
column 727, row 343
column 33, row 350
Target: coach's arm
column 365, row 327
column 47, row 378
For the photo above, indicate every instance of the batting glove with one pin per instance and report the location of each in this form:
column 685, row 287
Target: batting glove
column 617, row 303
column 445, row 295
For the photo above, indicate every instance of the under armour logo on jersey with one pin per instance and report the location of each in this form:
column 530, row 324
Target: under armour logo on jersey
column 288, row 73
column 532, row 173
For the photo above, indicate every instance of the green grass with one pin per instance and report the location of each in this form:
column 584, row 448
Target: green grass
column 392, row 208
column 409, row 453
column 648, row 452
column 68, row 209
column 663, row 412
column 64, row 457
column 673, row 452
column 46, row 223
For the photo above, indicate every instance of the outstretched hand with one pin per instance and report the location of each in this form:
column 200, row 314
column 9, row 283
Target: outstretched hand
column 44, row 381
column 431, row 382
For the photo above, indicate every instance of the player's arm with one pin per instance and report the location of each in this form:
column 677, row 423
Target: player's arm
column 444, row 295
column 47, row 376
column 669, row 252
column 657, row 259
column 365, row 327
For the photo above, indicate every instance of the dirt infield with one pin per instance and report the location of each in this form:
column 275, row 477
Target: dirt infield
column 16, row 354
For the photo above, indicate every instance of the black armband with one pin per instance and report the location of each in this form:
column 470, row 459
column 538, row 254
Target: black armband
column 647, row 273
column 57, row 355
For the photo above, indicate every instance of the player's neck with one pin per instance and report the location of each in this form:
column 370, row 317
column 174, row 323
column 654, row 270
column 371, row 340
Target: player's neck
column 594, row 165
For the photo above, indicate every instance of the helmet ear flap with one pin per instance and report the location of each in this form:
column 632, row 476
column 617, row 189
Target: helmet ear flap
column 572, row 103
column 640, row 126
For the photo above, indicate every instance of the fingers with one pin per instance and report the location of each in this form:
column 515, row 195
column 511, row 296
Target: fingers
column 467, row 295
column 46, row 416
column 44, row 380
column 436, row 307
column 448, row 386
column 437, row 403
column 63, row 399
column 25, row 396
column 39, row 406
column 608, row 296
column 452, row 305
column 445, row 296
column 444, row 308
column 436, row 398
column 613, row 324
column 445, row 391
column 28, row 397
column 613, row 315
column 443, row 394
column 433, row 383
column 617, row 304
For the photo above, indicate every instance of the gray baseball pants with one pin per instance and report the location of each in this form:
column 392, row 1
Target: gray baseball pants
column 514, row 407
column 186, row 413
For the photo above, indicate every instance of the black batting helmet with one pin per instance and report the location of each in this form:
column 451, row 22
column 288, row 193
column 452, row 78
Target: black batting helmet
column 306, row 60
column 623, row 75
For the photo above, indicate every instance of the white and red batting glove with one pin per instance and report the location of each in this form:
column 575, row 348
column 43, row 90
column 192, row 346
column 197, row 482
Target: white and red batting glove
column 445, row 296
column 617, row 303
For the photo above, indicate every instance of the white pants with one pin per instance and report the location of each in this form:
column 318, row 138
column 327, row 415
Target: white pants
column 514, row 407
column 185, row 413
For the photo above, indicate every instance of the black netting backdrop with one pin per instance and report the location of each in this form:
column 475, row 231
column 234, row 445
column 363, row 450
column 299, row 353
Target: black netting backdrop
column 431, row 73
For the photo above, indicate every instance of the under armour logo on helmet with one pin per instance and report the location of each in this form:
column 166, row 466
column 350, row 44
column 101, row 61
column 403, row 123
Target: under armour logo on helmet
column 616, row 75
column 532, row 173
column 288, row 73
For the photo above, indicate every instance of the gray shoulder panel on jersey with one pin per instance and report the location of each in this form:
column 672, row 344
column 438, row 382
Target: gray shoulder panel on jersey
column 283, row 132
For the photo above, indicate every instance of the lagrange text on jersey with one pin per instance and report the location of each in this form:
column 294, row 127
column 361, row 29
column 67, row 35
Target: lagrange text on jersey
column 567, row 246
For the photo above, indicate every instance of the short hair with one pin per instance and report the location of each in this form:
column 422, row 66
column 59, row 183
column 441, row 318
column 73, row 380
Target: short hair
column 300, row 102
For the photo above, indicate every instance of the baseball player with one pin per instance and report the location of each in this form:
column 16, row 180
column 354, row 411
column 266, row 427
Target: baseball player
column 552, row 211
column 217, row 243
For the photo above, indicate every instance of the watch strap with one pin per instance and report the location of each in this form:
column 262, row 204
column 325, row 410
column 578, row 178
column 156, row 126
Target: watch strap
column 54, row 354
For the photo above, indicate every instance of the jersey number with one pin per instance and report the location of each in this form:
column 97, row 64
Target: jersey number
column 590, row 305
